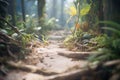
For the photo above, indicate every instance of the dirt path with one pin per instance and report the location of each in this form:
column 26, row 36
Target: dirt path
column 48, row 59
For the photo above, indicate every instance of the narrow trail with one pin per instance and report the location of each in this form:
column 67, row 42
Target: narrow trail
column 50, row 60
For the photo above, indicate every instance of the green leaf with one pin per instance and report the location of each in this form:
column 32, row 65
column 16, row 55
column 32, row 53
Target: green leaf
column 113, row 30
column 110, row 23
column 85, row 10
column 116, row 43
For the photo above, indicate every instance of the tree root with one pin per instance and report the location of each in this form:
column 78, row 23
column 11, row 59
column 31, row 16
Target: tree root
column 89, row 73
column 28, row 68
column 7, row 38
column 8, row 44
column 92, row 72
column 77, row 55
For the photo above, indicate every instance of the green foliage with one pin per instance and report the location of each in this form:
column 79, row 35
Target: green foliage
column 69, row 42
column 93, row 17
column 105, row 55
column 99, row 39
column 31, row 25
column 30, row 29
column 70, row 38
column 109, row 23
column 52, row 24
column 111, row 48
column 26, row 38
column 48, row 25
column 79, row 37
column 79, row 11
column 94, row 40
column 45, row 39
column 85, row 10
column 78, row 33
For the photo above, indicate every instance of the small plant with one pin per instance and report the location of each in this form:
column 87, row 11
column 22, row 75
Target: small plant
column 45, row 40
column 26, row 38
column 79, row 11
column 69, row 42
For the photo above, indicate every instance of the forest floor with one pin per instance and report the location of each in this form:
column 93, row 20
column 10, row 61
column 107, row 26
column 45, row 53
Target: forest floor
column 51, row 58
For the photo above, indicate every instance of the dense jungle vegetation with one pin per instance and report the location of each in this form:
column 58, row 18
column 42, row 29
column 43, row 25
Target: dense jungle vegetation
column 90, row 26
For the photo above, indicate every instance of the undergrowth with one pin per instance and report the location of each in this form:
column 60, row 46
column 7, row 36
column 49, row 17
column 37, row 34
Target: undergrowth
column 111, row 48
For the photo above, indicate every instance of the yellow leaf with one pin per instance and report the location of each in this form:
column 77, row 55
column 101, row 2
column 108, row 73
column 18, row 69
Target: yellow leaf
column 72, row 11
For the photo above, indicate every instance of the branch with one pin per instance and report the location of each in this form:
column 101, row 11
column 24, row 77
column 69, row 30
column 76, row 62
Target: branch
column 7, row 38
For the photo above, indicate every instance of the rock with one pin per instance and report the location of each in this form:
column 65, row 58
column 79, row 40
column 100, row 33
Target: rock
column 86, row 36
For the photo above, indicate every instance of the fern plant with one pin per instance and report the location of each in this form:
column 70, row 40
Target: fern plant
column 112, row 43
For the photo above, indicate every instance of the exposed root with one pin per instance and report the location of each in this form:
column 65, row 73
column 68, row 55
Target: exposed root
column 29, row 68
column 99, row 72
column 77, row 55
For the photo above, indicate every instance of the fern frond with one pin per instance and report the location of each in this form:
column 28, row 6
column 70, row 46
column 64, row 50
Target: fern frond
column 116, row 31
column 110, row 23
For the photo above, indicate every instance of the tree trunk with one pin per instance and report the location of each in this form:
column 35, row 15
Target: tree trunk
column 62, row 13
column 111, row 11
column 53, row 13
column 23, row 9
column 107, row 9
column 12, row 10
column 100, row 14
column 116, row 15
column 41, row 6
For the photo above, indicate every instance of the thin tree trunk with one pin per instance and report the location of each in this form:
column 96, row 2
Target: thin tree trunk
column 41, row 5
column 100, row 14
column 62, row 12
column 12, row 10
column 53, row 13
column 23, row 9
